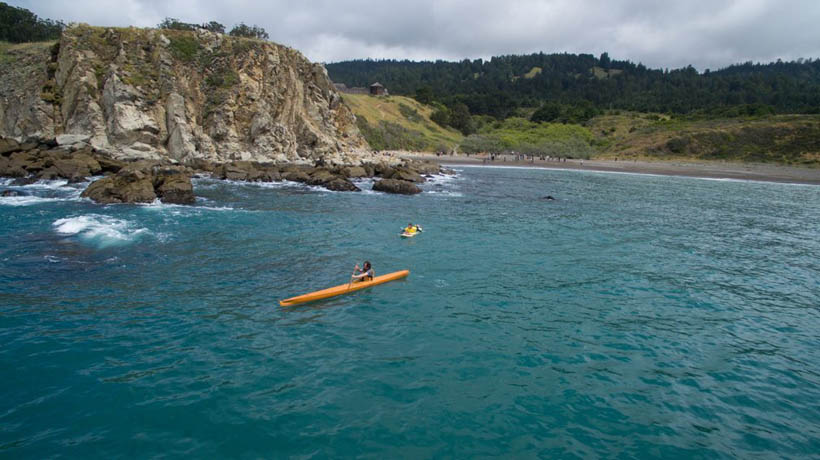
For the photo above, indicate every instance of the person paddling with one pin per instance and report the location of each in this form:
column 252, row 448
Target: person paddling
column 410, row 229
column 363, row 274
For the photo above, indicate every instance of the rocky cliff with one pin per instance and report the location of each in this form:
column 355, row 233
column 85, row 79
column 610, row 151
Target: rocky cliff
column 162, row 94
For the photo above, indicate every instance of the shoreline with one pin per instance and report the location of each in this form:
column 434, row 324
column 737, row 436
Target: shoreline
column 705, row 170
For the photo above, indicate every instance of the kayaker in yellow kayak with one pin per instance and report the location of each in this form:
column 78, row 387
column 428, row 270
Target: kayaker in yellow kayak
column 363, row 274
column 411, row 229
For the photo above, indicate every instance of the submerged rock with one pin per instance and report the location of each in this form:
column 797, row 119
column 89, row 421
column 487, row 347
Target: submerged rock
column 402, row 187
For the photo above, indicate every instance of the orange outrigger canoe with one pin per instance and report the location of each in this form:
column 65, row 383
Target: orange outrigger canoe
column 343, row 289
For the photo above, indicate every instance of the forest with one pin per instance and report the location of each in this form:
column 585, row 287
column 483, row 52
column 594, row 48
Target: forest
column 575, row 87
column 19, row 25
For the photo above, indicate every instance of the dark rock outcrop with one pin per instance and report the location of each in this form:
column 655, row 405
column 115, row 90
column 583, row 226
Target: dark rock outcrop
column 146, row 180
column 295, row 174
column 341, row 185
column 8, row 145
column 408, row 175
column 143, row 182
column 354, row 172
column 402, row 187
column 127, row 186
column 110, row 165
column 324, row 178
column 21, row 164
column 173, row 186
column 76, row 168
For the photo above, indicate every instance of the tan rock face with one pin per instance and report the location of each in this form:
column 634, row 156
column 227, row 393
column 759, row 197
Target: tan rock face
column 154, row 94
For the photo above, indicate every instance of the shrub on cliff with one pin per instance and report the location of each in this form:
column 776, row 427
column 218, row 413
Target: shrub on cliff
column 242, row 30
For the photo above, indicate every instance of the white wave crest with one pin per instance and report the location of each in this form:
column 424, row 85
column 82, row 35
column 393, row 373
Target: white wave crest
column 46, row 184
column 26, row 200
column 444, row 193
column 179, row 209
column 103, row 231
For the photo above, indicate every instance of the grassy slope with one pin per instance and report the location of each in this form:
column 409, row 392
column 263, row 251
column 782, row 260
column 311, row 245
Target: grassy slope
column 9, row 51
column 787, row 139
column 400, row 123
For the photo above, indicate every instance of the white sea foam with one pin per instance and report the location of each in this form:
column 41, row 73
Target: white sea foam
column 43, row 191
column 443, row 178
column 443, row 193
column 46, row 184
column 26, row 200
column 100, row 230
column 178, row 209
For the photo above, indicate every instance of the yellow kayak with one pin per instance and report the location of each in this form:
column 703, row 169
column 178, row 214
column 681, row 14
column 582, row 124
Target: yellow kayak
column 343, row 289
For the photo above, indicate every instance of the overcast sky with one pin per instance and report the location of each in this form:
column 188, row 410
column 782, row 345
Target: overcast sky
column 661, row 34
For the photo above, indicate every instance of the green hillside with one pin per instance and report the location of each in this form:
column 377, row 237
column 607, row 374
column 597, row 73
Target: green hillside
column 399, row 123
column 785, row 139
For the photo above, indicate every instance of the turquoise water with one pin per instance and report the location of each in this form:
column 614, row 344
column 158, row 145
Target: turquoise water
column 635, row 316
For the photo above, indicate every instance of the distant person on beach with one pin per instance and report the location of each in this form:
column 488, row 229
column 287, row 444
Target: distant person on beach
column 365, row 273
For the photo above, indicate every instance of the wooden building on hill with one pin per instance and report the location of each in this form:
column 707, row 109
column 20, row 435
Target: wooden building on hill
column 377, row 89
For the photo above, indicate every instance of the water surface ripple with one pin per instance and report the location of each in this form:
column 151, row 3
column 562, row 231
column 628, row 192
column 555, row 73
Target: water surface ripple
column 635, row 316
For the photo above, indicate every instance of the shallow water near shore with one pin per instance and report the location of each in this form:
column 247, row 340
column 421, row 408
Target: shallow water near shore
column 634, row 316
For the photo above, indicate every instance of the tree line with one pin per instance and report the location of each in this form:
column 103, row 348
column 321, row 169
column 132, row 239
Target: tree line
column 574, row 87
column 239, row 30
column 19, row 25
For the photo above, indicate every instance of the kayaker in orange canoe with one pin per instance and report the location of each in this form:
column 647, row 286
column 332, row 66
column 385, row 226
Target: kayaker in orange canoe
column 363, row 274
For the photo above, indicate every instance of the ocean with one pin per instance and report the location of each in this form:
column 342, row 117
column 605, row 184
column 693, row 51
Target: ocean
column 634, row 316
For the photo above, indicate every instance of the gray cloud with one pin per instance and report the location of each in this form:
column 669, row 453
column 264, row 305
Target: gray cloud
column 703, row 33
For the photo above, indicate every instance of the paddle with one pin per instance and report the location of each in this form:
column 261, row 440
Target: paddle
column 351, row 277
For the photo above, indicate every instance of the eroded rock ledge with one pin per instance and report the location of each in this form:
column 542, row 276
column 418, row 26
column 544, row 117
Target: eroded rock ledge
column 176, row 95
column 144, row 181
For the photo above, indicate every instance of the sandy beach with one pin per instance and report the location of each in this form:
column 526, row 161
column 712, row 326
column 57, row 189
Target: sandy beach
column 712, row 170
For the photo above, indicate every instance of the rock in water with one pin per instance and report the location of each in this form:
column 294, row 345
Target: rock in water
column 77, row 167
column 408, row 175
column 341, row 185
column 402, row 187
column 172, row 186
column 354, row 171
column 128, row 187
